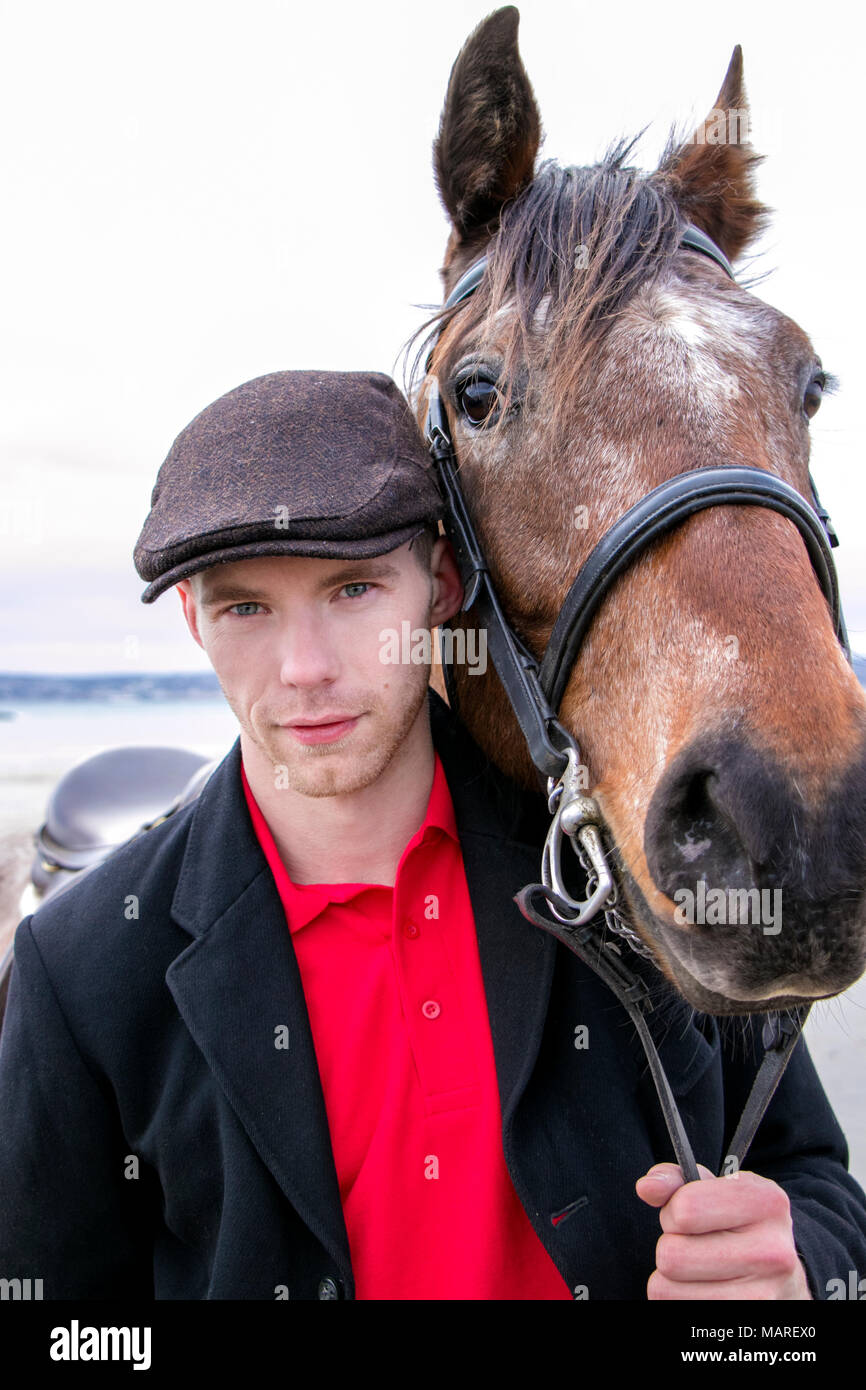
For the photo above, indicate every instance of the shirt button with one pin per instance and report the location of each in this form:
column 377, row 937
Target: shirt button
column 411, row 930
column 430, row 1009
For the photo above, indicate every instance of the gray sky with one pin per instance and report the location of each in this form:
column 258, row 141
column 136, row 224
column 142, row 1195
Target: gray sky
column 198, row 193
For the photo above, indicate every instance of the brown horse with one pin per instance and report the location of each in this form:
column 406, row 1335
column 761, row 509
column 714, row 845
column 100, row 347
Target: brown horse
column 723, row 729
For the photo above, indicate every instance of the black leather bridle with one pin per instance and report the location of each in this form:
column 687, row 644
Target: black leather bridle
column 535, row 691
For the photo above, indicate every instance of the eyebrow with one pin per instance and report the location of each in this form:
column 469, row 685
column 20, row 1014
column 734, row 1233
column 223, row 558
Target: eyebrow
column 354, row 571
column 229, row 593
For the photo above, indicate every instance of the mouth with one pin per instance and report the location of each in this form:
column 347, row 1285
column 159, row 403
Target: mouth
column 327, row 730
column 709, row 1001
column 709, row 995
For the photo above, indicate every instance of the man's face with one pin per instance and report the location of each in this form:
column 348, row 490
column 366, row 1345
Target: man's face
column 298, row 643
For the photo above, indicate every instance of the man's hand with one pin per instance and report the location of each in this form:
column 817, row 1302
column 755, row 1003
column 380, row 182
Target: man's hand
column 723, row 1237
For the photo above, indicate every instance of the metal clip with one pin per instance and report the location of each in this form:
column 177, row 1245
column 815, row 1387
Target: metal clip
column 578, row 817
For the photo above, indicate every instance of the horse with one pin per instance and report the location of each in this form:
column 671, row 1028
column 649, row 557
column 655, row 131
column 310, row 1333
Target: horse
column 720, row 723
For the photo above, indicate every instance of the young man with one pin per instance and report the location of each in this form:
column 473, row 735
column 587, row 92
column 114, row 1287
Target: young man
column 297, row 1041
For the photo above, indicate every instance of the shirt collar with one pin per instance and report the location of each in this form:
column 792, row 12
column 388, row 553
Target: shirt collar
column 440, row 808
column 305, row 901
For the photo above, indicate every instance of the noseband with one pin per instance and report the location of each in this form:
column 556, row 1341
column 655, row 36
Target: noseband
column 535, row 692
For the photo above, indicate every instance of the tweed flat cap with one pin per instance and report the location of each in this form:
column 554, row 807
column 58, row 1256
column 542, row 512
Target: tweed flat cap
column 293, row 463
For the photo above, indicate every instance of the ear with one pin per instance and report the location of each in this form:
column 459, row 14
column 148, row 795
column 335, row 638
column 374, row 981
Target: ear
column 711, row 175
column 190, row 612
column 447, row 584
column 490, row 128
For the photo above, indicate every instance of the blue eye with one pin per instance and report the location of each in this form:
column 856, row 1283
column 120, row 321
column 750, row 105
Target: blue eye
column 359, row 585
column 244, row 610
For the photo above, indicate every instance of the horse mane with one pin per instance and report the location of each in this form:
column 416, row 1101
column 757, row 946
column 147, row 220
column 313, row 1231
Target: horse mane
column 582, row 238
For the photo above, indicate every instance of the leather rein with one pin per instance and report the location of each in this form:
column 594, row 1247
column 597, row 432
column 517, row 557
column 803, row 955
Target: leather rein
column 535, row 691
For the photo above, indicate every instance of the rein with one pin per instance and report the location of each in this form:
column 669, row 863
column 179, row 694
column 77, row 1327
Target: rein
column 535, row 692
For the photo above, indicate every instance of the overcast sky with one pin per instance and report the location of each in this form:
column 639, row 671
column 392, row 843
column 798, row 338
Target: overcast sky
column 199, row 193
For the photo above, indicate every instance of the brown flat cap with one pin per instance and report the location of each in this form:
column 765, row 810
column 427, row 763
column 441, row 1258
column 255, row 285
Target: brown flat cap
column 293, row 463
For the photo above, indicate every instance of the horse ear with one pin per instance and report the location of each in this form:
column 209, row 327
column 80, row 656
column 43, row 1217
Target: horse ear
column 711, row 175
column 490, row 129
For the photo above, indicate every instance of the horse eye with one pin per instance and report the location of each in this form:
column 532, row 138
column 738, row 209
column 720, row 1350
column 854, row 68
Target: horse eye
column 477, row 398
column 814, row 394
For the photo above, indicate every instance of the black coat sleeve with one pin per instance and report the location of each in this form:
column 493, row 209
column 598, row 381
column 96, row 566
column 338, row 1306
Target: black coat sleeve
column 68, row 1213
column 800, row 1145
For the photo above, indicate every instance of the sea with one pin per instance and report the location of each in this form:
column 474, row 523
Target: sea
column 40, row 741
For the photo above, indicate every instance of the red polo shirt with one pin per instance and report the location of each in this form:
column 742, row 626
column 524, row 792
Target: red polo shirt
column 393, row 987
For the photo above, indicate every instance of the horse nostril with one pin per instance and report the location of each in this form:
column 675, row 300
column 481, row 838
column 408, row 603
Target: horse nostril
column 696, row 816
column 691, row 835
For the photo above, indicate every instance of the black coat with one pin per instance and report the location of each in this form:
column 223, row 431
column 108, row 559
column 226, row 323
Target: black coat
column 154, row 1143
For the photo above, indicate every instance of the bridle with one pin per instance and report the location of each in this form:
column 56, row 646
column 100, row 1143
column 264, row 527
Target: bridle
column 535, row 691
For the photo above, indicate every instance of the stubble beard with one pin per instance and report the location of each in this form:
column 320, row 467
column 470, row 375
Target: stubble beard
column 319, row 770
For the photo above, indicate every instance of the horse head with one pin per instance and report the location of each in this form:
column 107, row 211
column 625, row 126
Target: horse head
column 721, row 724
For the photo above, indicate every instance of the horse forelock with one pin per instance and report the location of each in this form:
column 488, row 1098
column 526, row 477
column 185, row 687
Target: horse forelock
column 569, row 253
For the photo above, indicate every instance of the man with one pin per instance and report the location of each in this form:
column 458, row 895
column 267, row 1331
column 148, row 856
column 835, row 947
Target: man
column 297, row 1041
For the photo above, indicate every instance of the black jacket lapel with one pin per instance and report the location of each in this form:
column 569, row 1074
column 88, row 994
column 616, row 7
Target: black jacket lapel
column 235, row 985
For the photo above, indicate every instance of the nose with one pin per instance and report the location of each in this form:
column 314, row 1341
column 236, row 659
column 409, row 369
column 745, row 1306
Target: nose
column 728, row 812
column 699, row 824
column 308, row 657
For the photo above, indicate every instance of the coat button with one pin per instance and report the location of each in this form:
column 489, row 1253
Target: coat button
column 329, row 1288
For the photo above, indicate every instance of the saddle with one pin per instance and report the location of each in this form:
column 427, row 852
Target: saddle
column 97, row 806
